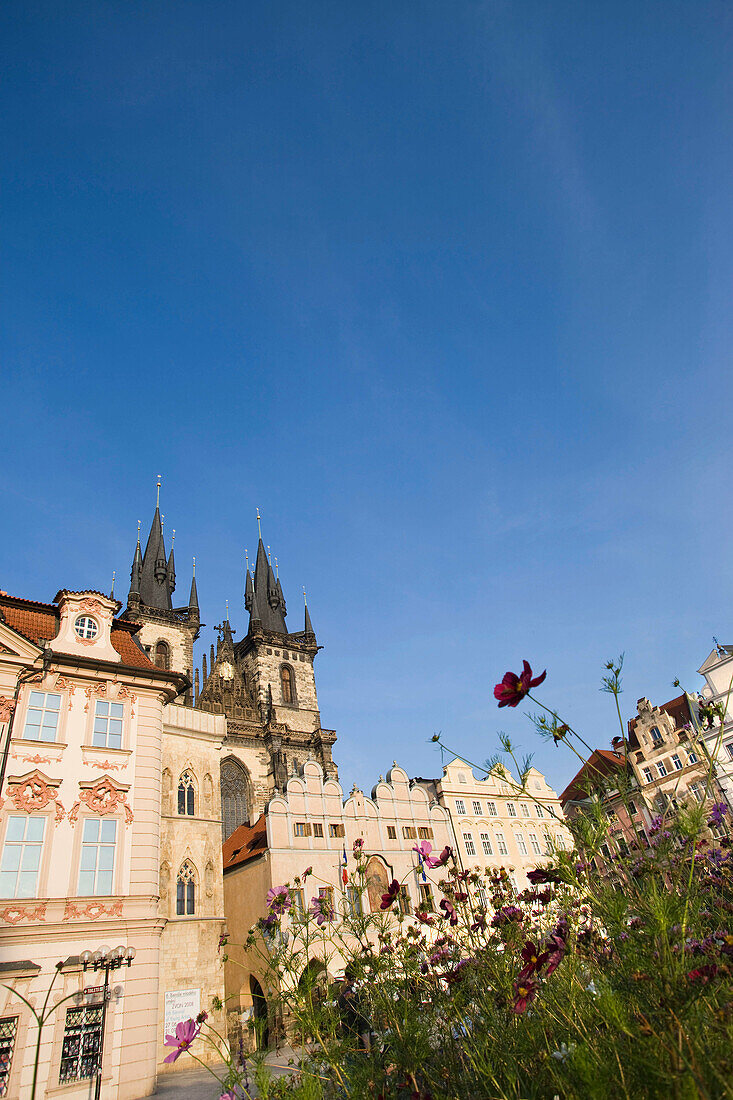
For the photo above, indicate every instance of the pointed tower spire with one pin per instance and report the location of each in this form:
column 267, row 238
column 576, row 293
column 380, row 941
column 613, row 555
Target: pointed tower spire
column 172, row 566
column 308, row 624
column 112, row 590
column 266, row 595
column 154, row 581
column 137, row 568
column 193, row 599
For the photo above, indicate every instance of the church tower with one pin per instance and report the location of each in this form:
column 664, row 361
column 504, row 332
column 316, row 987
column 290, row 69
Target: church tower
column 167, row 633
column 265, row 685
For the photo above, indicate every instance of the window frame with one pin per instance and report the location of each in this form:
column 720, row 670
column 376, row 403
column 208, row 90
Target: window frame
column 461, row 807
column 427, row 898
column 87, row 620
column 190, row 793
column 96, row 1009
column 391, row 832
column 109, row 703
column 491, row 809
column 287, row 671
column 188, row 897
column 166, row 644
column 501, row 845
column 511, row 809
column 116, row 849
column 29, row 705
column 521, row 843
column 42, row 845
column 469, row 844
column 486, row 843
column 8, row 1046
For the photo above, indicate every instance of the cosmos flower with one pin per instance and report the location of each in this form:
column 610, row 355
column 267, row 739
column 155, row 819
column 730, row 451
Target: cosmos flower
column 392, row 891
column 278, row 900
column 525, row 991
column 441, row 860
column 186, row 1032
column 513, row 688
column 322, row 910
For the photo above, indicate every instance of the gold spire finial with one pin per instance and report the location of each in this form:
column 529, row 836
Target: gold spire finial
column 305, row 598
column 259, row 523
column 194, row 567
column 112, row 590
column 227, row 607
column 277, row 573
column 173, row 537
column 138, row 533
column 246, row 558
column 269, row 555
column 157, row 500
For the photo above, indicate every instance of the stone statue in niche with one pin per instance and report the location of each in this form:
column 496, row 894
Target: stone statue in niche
column 208, row 791
column 209, row 879
column 165, row 877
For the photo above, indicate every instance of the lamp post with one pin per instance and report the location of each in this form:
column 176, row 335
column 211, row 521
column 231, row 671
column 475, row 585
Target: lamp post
column 105, row 959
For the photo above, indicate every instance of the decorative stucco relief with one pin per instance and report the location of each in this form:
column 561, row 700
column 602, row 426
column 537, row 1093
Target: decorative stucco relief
column 7, row 706
column 14, row 914
column 34, row 793
column 93, row 910
column 93, row 689
column 102, row 798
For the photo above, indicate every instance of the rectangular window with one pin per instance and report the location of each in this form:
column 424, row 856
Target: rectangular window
column 470, row 846
column 606, row 851
column 302, row 828
column 460, row 806
column 353, row 898
column 108, row 724
column 8, row 1032
column 336, row 830
column 82, row 1040
column 692, row 757
column 698, row 791
column 423, row 833
column 632, row 808
column 21, row 857
column 677, row 762
column 477, row 808
column 97, row 856
column 427, row 904
column 642, row 838
column 525, row 809
column 729, row 749
column 327, row 893
column 501, row 844
column 656, row 736
column 662, row 768
column 317, row 829
column 560, row 842
column 548, row 844
column 298, row 902
column 491, row 807
column 403, row 899
column 511, row 809
column 648, row 775
column 409, row 832
column 538, row 810
column 522, row 847
column 535, row 844
column 486, row 844
column 42, row 719
column 391, row 832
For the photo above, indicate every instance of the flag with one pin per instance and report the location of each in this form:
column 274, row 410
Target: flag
column 344, row 872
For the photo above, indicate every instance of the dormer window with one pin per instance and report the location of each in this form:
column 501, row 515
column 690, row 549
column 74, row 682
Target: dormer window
column 86, row 628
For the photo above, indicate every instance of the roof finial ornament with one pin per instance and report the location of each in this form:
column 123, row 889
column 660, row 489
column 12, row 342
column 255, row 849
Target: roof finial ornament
column 162, row 521
column 112, row 590
column 246, row 558
column 277, row 571
column 138, row 533
column 305, row 598
column 157, row 500
column 259, row 523
column 269, row 555
column 227, row 607
column 194, row 567
column 173, row 537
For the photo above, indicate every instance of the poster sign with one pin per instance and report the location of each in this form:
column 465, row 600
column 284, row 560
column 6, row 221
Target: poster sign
column 180, row 1005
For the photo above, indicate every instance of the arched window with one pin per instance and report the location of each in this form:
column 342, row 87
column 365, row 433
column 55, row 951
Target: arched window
column 287, row 683
column 186, row 891
column 186, row 795
column 162, row 655
column 236, row 796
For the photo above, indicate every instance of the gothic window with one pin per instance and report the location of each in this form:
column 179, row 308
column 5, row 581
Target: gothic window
column 287, row 682
column 162, row 655
column 186, row 891
column 186, row 795
column 235, row 796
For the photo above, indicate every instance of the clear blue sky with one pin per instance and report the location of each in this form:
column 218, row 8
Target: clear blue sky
column 444, row 289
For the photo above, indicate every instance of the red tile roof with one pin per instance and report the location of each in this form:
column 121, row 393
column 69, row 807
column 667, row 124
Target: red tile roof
column 245, row 843
column 40, row 622
column 601, row 761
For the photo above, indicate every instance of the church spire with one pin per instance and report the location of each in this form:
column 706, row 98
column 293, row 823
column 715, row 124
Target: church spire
column 267, row 595
column 193, row 599
column 137, row 567
column 308, row 624
column 154, row 583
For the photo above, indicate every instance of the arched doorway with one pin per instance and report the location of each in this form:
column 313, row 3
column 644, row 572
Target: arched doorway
column 236, row 796
column 259, row 1014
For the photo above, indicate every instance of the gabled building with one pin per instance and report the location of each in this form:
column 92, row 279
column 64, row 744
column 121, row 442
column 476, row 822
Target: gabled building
column 496, row 823
column 717, row 670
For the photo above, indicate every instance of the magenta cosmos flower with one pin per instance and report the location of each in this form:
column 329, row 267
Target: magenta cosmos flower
column 278, row 900
column 525, row 991
column 449, row 912
column 322, row 910
column 513, row 688
column 533, row 958
column 441, row 860
column 392, row 891
column 185, row 1034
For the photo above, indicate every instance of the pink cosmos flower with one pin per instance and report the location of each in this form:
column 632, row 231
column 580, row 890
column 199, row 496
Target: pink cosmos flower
column 186, row 1032
column 423, row 849
column 441, row 860
column 278, row 900
column 513, row 688
column 449, row 912
column 322, row 910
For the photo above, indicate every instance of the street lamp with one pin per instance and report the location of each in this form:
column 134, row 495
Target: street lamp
column 105, row 958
